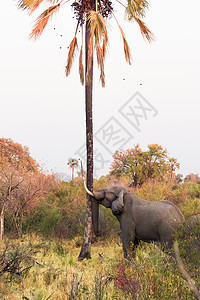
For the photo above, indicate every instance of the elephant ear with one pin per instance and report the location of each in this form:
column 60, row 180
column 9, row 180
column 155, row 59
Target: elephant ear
column 118, row 204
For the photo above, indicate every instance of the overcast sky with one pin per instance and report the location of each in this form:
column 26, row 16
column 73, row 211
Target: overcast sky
column 155, row 100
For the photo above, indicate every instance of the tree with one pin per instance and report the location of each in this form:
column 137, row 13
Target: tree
column 192, row 178
column 29, row 194
column 143, row 165
column 179, row 178
column 14, row 160
column 73, row 164
column 92, row 14
column 17, row 155
column 9, row 181
column 21, row 182
column 82, row 172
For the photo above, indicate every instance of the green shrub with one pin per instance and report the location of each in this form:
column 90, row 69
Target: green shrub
column 43, row 220
column 109, row 225
column 194, row 189
column 60, row 250
column 189, row 241
column 190, row 207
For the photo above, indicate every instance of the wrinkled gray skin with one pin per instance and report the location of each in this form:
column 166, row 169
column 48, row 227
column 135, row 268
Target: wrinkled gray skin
column 140, row 219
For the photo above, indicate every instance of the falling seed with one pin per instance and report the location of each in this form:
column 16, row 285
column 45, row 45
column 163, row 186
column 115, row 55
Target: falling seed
column 60, row 47
column 123, row 78
column 61, row 35
column 54, row 28
column 140, row 83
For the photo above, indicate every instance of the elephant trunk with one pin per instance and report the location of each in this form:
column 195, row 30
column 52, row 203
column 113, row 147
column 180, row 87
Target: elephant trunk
column 99, row 196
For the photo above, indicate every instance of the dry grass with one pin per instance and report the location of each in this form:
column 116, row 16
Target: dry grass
column 57, row 273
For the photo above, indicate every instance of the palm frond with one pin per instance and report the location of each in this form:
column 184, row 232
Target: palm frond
column 89, row 61
column 42, row 21
column 34, row 5
column 98, row 26
column 102, row 77
column 105, row 45
column 99, row 34
column 127, row 51
column 136, row 8
column 100, row 62
column 72, row 49
column 81, row 68
column 25, row 4
column 54, row 1
column 145, row 31
column 99, row 54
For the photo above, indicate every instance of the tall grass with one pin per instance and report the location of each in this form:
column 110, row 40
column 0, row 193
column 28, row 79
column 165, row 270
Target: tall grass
column 55, row 273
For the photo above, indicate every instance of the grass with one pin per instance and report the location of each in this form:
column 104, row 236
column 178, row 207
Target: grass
column 55, row 273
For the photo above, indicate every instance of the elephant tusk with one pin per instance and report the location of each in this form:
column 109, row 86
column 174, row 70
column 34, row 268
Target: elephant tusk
column 89, row 193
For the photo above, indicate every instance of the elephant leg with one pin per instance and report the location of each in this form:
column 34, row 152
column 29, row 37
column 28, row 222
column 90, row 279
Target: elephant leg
column 166, row 238
column 128, row 241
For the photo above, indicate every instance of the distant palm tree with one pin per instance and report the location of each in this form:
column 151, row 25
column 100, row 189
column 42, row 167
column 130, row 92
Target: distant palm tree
column 92, row 13
column 82, row 172
column 73, row 164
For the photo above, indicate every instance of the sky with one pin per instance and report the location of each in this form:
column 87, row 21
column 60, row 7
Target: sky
column 155, row 100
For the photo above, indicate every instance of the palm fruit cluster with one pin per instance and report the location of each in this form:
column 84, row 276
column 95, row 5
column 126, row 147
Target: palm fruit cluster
column 83, row 6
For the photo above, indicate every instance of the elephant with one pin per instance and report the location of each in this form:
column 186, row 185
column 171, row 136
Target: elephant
column 149, row 221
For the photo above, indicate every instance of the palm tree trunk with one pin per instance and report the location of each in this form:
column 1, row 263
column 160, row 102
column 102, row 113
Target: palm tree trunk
column 92, row 212
column 89, row 128
column 82, row 175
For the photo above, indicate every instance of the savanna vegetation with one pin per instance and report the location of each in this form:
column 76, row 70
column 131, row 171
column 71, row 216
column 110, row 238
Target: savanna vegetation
column 44, row 225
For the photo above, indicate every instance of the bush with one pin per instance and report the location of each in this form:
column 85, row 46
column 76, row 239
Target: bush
column 127, row 281
column 151, row 275
column 194, row 189
column 155, row 191
column 70, row 198
column 43, row 220
column 109, row 225
column 189, row 241
column 16, row 261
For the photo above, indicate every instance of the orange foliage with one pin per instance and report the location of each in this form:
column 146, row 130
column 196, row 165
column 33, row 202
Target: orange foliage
column 22, row 184
column 16, row 155
column 42, row 21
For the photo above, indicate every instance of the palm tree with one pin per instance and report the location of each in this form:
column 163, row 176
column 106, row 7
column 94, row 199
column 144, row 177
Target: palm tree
column 91, row 15
column 73, row 164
